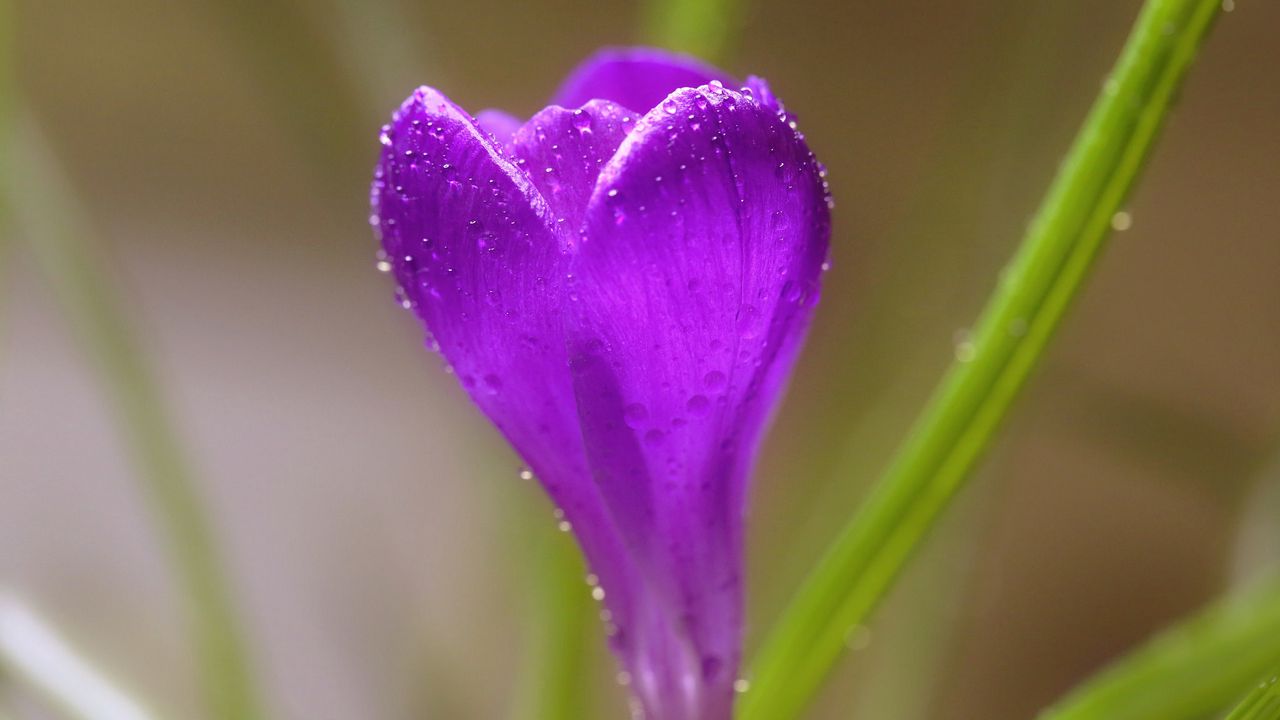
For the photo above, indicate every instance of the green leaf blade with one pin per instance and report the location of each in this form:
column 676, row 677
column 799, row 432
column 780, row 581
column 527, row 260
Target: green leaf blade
column 1189, row 671
column 1021, row 317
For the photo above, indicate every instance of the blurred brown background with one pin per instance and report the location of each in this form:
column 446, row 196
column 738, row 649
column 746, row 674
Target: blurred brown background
column 374, row 522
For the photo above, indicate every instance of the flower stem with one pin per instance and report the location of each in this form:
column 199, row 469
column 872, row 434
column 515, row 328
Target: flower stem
column 959, row 422
column 61, row 243
column 699, row 27
column 34, row 651
column 1189, row 671
column 553, row 686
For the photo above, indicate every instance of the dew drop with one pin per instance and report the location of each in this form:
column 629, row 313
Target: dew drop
column 1121, row 221
column 714, row 380
column 748, row 321
column 492, row 384
column 741, row 685
column 561, row 524
column 526, row 474
column 698, row 405
column 614, row 201
column 858, row 637
column 670, row 106
column 965, row 349
column 635, row 414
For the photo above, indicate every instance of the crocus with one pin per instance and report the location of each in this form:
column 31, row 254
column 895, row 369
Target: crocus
column 622, row 284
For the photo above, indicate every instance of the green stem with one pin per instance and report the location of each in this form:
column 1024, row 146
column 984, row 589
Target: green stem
column 698, row 27
column 1262, row 703
column 960, row 421
column 74, row 264
column 7, row 97
column 1189, row 671
column 560, row 612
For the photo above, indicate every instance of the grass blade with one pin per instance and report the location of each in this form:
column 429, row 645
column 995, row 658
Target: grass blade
column 560, row 613
column 960, row 421
column 1262, row 703
column 699, row 27
column 32, row 650
column 62, row 245
column 1189, row 671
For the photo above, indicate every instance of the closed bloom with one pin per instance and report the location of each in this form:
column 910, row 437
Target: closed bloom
column 622, row 284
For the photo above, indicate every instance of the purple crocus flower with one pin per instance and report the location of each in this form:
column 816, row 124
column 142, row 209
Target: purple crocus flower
column 622, row 284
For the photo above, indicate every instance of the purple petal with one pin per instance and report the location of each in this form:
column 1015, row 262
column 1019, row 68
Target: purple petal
column 693, row 287
column 501, row 126
column 474, row 248
column 635, row 78
column 563, row 151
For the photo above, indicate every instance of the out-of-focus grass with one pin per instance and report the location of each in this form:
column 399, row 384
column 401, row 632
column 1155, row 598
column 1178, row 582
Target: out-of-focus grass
column 55, row 670
column 300, row 72
column 1258, row 546
column 705, row 28
column 560, row 618
column 7, row 97
column 63, row 245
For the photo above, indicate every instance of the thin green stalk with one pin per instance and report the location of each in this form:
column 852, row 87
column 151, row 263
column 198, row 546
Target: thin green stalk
column 991, row 367
column 1189, row 671
column 698, row 27
column 35, row 652
column 73, row 262
column 560, row 612
column 1262, row 703
column 7, row 62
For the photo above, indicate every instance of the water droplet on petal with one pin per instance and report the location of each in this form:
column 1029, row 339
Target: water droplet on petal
column 635, row 414
column 492, row 384
column 698, row 405
column 714, row 380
